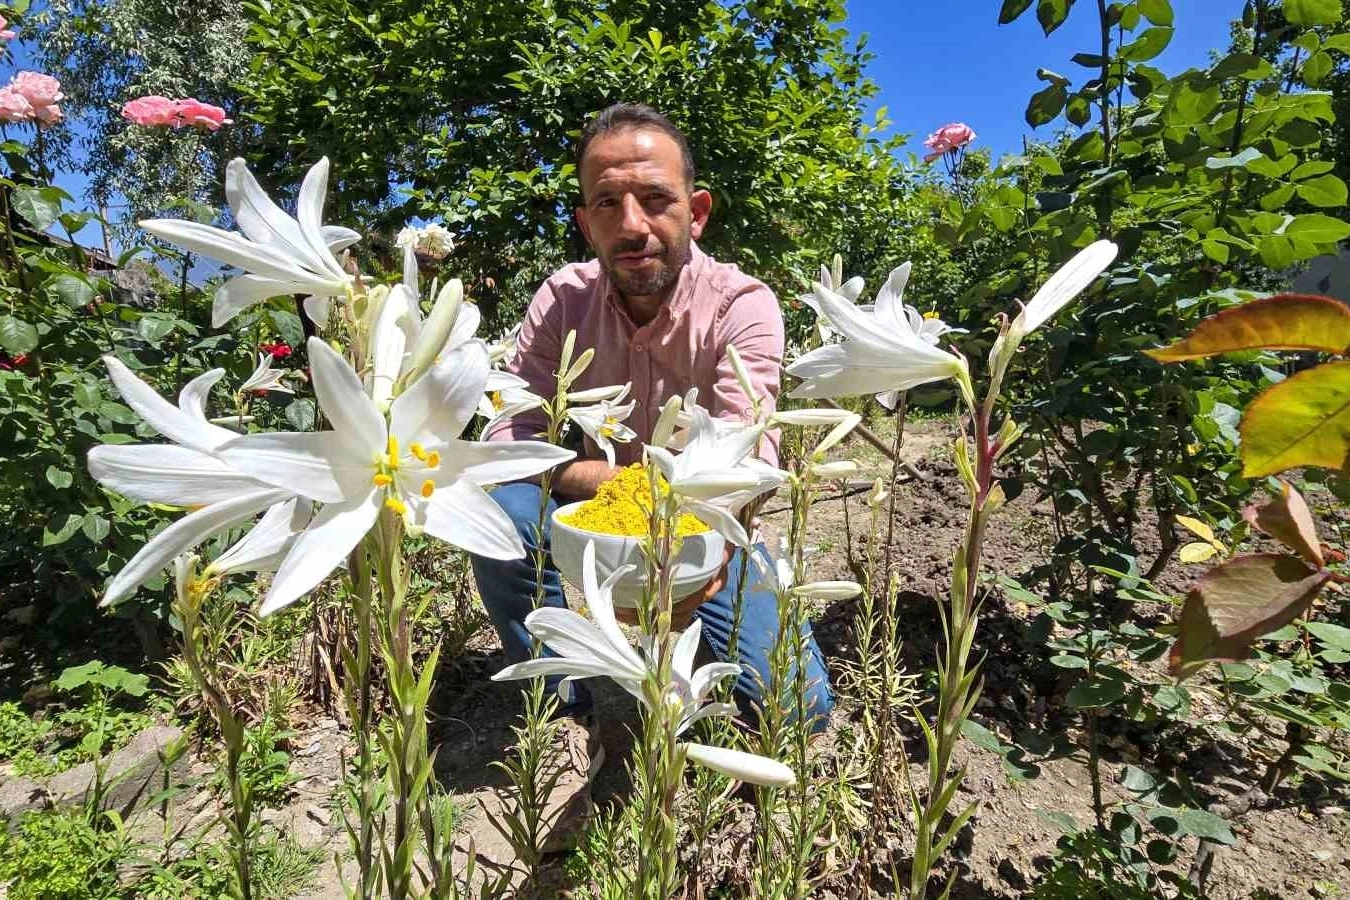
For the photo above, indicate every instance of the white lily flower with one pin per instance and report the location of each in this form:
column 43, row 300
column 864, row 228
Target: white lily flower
column 832, row 279
column 1067, row 283
column 713, row 475
column 587, row 649
column 506, row 395
column 265, row 378
column 603, row 421
column 1059, row 290
column 412, row 463
column 503, row 350
column 882, row 350
column 279, row 254
column 268, row 542
column 186, row 473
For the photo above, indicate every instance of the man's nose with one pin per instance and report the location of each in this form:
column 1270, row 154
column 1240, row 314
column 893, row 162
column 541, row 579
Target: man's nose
column 634, row 220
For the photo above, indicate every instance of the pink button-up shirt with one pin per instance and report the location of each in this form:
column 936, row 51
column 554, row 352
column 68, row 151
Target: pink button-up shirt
column 713, row 304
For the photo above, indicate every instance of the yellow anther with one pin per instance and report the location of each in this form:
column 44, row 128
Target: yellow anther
column 931, row 314
column 382, row 480
column 418, row 451
column 495, row 398
column 433, row 460
column 391, row 451
column 428, row 487
column 396, row 505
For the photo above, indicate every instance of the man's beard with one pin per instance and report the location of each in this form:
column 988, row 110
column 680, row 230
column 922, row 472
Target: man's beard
column 646, row 284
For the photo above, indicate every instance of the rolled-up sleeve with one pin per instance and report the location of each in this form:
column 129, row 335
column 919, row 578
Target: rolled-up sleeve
column 752, row 321
column 537, row 353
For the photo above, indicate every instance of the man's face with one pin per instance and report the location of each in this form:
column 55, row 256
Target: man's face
column 639, row 215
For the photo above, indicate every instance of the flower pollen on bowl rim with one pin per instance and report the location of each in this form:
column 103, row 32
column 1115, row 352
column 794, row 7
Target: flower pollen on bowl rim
column 622, row 506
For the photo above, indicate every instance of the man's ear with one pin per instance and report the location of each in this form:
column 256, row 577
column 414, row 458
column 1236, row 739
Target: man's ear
column 700, row 207
column 584, row 223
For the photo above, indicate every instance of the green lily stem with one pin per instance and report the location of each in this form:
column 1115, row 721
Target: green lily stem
column 239, row 823
column 957, row 687
column 661, row 764
column 362, row 610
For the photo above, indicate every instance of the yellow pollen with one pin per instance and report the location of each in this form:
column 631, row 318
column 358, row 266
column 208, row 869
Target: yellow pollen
column 396, row 505
column 382, row 480
column 931, row 314
column 433, row 459
column 418, row 451
column 391, row 451
column 428, row 487
column 495, row 398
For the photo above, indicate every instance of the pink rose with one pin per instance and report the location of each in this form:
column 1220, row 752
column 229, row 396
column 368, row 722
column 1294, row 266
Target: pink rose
column 14, row 107
column 150, row 111
column 48, row 115
column 39, row 89
column 194, row 112
column 6, row 33
column 948, row 139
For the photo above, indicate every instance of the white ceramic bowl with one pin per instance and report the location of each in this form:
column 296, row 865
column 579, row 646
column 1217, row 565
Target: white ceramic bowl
column 699, row 559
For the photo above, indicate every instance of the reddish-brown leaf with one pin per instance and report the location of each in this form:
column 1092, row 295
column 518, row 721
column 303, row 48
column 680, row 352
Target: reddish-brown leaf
column 1288, row 520
column 1237, row 602
column 1283, row 322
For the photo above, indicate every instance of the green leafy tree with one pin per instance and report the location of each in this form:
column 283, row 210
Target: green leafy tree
column 106, row 52
column 468, row 115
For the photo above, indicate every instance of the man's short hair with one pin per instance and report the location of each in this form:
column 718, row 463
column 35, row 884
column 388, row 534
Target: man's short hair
column 635, row 116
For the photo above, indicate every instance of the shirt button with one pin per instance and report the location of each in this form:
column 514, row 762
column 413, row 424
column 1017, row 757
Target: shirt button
column 639, row 348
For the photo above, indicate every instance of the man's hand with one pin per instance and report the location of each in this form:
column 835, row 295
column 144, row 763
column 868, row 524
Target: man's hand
column 682, row 613
column 581, row 478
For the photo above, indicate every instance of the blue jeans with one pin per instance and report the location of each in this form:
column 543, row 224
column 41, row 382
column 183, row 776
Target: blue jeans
column 508, row 588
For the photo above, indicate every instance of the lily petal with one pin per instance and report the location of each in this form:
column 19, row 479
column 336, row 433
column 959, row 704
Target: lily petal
column 464, row 515
column 183, row 535
column 168, row 473
column 320, row 549
column 357, row 424
column 313, row 464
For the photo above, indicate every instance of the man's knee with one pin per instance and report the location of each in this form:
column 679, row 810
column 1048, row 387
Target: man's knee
column 520, row 501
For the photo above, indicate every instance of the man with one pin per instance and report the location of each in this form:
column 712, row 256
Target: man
column 660, row 314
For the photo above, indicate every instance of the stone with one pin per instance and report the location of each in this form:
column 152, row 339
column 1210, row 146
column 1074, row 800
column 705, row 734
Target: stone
column 18, row 796
column 1322, row 855
column 130, row 775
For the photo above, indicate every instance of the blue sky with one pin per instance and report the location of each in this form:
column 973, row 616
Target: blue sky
column 940, row 62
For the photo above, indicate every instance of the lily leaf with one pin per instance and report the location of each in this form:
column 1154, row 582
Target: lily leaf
column 1238, row 602
column 1282, row 322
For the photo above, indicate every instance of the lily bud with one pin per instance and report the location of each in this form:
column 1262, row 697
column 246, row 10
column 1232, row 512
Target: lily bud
column 878, row 494
column 808, row 418
column 595, row 395
column 742, row 374
column 565, row 360
column 577, row 368
column 838, row 433
column 666, row 422
column 829, row 590
column 832, row 470
column 436, row 329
